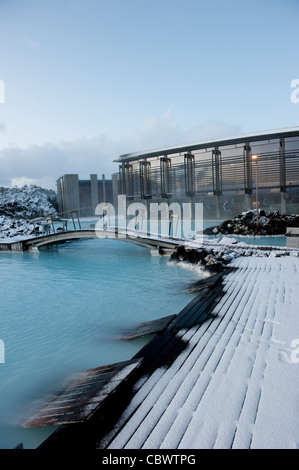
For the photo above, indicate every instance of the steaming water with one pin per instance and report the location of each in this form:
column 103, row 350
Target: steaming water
column 63, row 310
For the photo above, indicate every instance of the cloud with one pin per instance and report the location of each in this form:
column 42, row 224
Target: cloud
column 166, row 131
column 44, row 182
column 2, row 128
column 213, row 129
column 157, row 132
column 31, row 42
column 44, row 164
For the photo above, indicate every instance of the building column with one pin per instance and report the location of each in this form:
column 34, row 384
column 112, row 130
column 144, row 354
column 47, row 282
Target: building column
column 129, row 179
column 165, row 171
column 94, row 192
column 282, row 172
column 104, row 188
column 60, row 194
column 145, row 179
column 115, row 188
column 122, row 178
column 189, row 174
column 217, row 179
column 247, row 177
column 70, row 192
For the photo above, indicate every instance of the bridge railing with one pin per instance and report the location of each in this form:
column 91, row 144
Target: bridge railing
column 67, row 220
column 171, row 226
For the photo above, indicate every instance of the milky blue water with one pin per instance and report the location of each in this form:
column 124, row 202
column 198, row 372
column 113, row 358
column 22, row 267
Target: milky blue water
column 276, row 240
column 63, row 311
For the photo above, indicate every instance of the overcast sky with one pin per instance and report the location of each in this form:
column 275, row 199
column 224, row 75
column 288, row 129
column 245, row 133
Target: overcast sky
column 83, row 81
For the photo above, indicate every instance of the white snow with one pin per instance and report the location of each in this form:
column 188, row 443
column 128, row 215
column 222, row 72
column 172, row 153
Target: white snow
column 27, row 201
column 227, row 241
column 236, row 385
column 19, row 205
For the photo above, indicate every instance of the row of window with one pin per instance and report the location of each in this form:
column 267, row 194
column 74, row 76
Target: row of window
column 214, row 171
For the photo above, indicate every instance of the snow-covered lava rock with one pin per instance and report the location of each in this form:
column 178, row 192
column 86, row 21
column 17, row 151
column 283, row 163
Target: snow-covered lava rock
column 18, row 206
column 272, row 223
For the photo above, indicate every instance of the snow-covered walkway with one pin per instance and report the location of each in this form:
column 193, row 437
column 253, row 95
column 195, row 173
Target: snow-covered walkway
column 236, row 384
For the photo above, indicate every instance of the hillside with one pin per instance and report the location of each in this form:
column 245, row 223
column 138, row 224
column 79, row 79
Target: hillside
column 18, row 206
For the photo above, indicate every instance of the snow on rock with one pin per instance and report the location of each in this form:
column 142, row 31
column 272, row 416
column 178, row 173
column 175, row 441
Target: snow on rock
column 272, row 223
column 211, row 255
column 19, row 205
column 27, row 202
column 18, row 228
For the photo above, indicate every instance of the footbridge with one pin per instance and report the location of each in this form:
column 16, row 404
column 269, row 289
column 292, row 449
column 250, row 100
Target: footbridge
column 53, row 230
column 156, row 243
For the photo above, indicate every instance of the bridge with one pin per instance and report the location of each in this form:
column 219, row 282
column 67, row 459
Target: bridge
column 48, row 235
column 156, row 243
column 53, row 230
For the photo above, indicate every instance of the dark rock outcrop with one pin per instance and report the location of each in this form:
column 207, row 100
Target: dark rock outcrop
column 208, row 261
column 272, row 223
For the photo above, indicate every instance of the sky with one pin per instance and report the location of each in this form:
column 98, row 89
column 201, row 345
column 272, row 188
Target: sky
column 84, row 81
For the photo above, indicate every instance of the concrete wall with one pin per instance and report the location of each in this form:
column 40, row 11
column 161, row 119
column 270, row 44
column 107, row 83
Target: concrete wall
column 73, row 193
column 68, row 193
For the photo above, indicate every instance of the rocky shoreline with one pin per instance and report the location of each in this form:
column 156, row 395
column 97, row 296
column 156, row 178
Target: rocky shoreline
column 214, row 255
column 16, row 228
column 272, row 223
column 210, row 261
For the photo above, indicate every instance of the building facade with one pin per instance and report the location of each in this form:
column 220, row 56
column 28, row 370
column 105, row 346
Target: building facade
column 83, row 194
column 221, row 174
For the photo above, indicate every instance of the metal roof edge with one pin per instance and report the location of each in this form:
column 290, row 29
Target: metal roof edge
column 260, row 135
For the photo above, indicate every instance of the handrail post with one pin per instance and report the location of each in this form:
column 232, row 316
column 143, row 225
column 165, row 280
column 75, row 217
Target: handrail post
column 72, row 215
column 78, row 219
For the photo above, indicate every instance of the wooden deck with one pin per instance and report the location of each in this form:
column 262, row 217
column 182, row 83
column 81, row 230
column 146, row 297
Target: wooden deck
column 235, row 384
column 147, row 328
column 82, row 396
column 207, row 380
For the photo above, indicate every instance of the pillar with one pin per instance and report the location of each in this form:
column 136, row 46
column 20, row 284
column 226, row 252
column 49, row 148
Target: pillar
column 104, row 188
column 217, row 179
column 165, row 169
column 145, row 179
column 189, row 174
column 70, row 192
column 247, row 177
column 115, row 188
column 94, row 191
column 282, row 173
